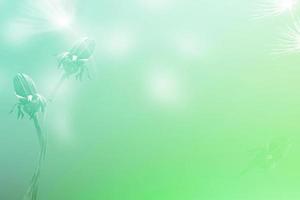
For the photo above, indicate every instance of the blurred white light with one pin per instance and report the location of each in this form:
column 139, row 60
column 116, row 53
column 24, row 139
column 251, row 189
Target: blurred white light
column 59, row 118
column 188, row 45
column 164, row 87
column 63, row 21
column 61, row 126
column 286, row 5
column 275, row 8
column 118, row 43
column 39, row 16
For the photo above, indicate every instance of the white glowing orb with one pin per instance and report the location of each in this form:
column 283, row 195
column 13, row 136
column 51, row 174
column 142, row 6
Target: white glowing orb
column 118, row 43
column 62, row 22
column 40, row 16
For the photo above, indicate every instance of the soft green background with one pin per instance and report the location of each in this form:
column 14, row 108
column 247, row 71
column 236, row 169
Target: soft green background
column 108, row 139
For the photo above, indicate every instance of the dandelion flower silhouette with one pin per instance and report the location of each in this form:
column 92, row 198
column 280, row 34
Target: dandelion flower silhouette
column 75, row 61
column 31, row 103
column 269, row 155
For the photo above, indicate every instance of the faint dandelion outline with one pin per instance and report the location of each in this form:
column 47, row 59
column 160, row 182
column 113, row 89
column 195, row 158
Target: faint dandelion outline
column 74, row 62
column 30, row 102
column 267, row 156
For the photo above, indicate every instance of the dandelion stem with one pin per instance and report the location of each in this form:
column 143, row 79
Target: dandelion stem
column 32, row 192
column 41, row 137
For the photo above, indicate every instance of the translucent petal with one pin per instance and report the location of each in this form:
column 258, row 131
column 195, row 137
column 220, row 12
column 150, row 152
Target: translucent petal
column 24, row 85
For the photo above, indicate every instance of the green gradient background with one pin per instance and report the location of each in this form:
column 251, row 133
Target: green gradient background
column 122, row 145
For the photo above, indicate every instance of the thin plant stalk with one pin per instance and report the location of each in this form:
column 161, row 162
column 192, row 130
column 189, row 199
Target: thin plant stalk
column 41, row 137
column 31, row 103
column 32, row 192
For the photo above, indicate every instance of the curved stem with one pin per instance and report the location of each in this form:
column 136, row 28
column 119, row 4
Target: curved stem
column 41, row 137
column 32, row 192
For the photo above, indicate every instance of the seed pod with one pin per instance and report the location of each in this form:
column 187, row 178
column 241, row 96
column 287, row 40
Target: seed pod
column 24, row 85
column 83, row 48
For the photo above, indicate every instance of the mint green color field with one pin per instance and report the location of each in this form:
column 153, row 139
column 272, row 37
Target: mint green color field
column 187, row 100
